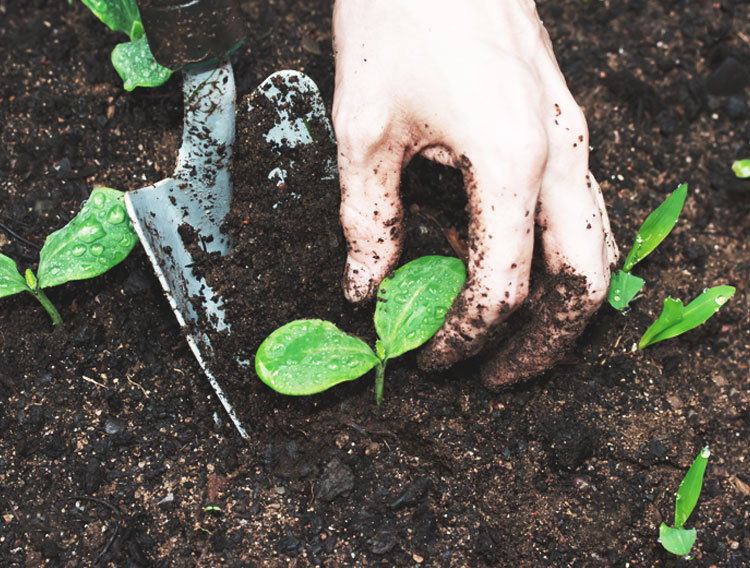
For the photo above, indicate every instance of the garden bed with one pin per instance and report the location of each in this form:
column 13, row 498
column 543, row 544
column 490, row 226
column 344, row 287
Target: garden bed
column 113, row 443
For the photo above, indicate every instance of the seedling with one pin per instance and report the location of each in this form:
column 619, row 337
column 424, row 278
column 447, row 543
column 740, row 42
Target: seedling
column 676, row 319
column 741, row 168
column 677, row 539
column 133, row 60
column 96, row 239
column 625, row 286
column 306, row 357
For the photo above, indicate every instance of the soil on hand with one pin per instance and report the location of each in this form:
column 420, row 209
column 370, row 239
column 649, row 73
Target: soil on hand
column 114, row 449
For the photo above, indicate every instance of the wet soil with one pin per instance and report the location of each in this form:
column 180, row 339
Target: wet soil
column 114, row 450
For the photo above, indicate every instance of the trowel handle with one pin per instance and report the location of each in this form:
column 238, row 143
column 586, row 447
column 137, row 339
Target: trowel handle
column 185, row 32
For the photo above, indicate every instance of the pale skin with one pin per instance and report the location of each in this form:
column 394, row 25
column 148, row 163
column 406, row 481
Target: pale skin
column 474, row 85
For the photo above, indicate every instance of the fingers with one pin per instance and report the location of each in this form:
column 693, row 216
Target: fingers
column 502, row 187
column 578, row 251
column 369, row 160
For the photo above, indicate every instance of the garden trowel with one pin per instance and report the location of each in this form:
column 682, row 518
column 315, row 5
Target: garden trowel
column 179, row 218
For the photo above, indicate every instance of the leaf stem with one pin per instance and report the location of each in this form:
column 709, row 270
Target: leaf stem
column 51, row 309
column 379, row 380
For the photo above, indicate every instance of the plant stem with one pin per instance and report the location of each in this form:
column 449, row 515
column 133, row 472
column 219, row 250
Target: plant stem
column 51, row 310
column 379, row 379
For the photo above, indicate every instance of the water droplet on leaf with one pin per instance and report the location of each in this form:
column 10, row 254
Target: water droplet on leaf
column 97, row 250
column 116, row 215
column 78, row 250
column 91, row 231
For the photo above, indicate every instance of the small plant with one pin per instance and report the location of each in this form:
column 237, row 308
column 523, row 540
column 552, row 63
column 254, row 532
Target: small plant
column 676, row 319
column 309, row 356
column 96, row 239
column 677, row 539
column 133, row 60
column 625, row 286
column 741, row 168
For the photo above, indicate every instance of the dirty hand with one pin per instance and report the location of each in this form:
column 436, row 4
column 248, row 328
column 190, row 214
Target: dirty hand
column 474, row 85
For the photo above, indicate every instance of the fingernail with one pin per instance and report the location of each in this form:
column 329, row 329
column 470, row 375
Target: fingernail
column 357, row 281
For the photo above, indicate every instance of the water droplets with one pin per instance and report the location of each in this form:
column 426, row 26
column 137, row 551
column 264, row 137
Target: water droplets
column 98, row 200
column 721, row 300
column 96, row 250
column 91, row 231
column 116, row 215
column 78, row 250
column 705, row 453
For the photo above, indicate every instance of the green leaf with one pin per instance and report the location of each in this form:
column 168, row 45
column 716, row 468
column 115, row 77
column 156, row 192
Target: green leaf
column 690, row 489
column 741, row 168
column 676, row 541
column 136, row 65
column 11, row 281
column 95, row 240
column 309, row 356
column 119, row 15
column 675, row 320
column 412, row 305
column 656, row 227
column 623, row 288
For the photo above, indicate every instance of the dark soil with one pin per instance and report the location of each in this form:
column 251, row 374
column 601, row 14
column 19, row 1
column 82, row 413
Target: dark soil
column 115, row 450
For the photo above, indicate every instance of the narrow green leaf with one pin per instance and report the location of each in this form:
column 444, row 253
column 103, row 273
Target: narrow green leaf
column 119, row 15
column 136, row 65
column 623, row 288
column 656, row 227
column 690, row 489
column 676, row 541
column 309, row 356
column 412, row 305
column 11, row 281
column 670, row 315
column 694, row 314
column 741, row 168
column 95, row 240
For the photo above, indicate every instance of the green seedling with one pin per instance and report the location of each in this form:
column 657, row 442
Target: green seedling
column 677, row 539
column 133, row 60
column 741, row 168
column 624, row 286
column 96, row 239
column 306, row 357
column 676, row 319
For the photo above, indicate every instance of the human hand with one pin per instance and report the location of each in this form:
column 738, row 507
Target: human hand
column 474, row 85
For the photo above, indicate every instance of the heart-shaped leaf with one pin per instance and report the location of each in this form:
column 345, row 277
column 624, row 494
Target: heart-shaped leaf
column 676, row 541
column 623, row 289
column 96, row 239
column 412, row 304
column 136, row 65
column 309, row 356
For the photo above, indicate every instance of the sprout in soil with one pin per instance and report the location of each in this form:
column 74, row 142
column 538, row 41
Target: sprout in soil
column 677, row 539
column 676, row 319
column 741, row 168
column 655, row 228
column 95, row 240
column 309, row 356
column 133, row 60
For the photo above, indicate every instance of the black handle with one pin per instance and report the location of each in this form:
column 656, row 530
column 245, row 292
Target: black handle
column 182, row 32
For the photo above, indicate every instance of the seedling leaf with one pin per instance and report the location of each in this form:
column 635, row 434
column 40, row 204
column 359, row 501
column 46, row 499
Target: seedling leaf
column 656, row 227
column 119, row 15
column 11, row 281
column 96, row 239
column 136, row 65
column 675, row 320
column 309, row 356
column 623, row 289
column 690, row 489
column 741, row 168
column 412, row 304
column 677, row 541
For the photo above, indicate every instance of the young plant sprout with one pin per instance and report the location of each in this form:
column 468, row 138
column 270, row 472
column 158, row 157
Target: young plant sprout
column 309, row 356
column 676, row 319
column 96, row 239
column 655, row 228
column 677, row 539
column 741, row 168
column 133, row 60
